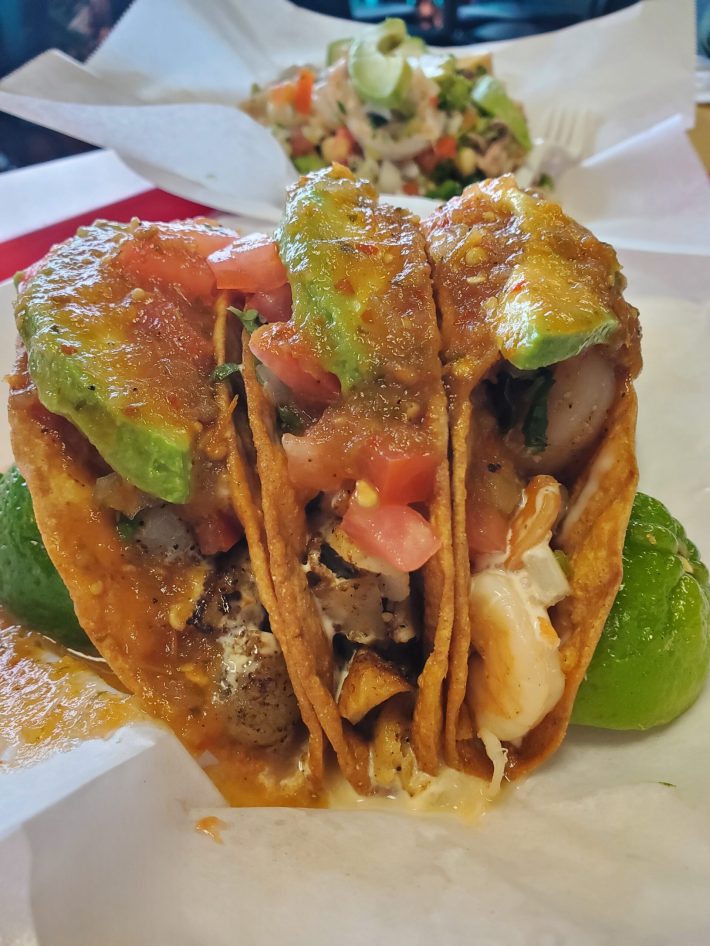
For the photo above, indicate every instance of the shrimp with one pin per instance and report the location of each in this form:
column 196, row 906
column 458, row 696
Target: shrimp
column 535, row 518
column 583, row 392
column 515, row 676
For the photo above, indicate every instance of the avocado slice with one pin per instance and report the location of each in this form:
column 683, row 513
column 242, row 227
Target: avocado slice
column 378, row 63
column 77, row 321
column 341, row 256
column 545, row 313
column 490, row 96
column 546, row 316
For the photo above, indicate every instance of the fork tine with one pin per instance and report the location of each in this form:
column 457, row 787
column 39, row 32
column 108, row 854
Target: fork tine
column 569, row 128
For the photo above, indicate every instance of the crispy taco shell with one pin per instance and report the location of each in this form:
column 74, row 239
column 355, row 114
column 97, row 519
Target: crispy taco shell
column 128, row 610
column 405, row 297
column 144, row 610
column 473, row 244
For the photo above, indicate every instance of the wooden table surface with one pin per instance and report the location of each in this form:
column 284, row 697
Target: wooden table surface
column 700, row 135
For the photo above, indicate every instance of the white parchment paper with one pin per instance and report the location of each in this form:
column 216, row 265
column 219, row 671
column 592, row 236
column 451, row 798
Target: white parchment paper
column 162, row 91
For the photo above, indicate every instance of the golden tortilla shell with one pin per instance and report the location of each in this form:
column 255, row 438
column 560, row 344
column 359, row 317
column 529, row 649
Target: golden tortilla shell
column 469, row 264
column 130, row 607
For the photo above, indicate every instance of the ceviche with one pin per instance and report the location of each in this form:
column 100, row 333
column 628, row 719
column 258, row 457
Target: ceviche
column 405, row 119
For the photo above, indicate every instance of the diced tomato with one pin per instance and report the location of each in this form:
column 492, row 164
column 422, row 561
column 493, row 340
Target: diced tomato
column 344, row 132
column 445, row 147
column 218, row 533
column 345, row 287
column 300, row 145
column 304, row 91
column 251, row 263
column 411, row 188
column 401, row 476
column 312, row 467
column 169, row 263
column 208, row 241
column 279, row 347
column 283, row 93
column 486, row 528
column 398, row 535
column 273, row 306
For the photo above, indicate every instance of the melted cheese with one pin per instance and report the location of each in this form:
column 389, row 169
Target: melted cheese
column 449, row 792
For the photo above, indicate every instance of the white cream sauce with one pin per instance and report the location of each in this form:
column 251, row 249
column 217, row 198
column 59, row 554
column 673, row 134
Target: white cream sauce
column 600, row 467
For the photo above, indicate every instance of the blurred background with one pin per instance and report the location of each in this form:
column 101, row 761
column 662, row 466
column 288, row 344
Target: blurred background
column 28, row 27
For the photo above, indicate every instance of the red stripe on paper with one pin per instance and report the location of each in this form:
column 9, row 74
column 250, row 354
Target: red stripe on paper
column 153, row 204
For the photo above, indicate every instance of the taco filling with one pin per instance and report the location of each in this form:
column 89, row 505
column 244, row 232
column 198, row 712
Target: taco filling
column 540, row 350
column 126, row 423
column 348, row 415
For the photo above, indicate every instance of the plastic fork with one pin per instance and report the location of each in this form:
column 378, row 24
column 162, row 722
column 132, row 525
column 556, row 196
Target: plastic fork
column 565, row 136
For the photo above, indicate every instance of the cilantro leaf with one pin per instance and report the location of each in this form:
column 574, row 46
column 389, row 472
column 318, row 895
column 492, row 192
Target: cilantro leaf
column 127, row 528
column 222, row 372
column 505, row 396
column 535, row 424
column 521, row 400
column 446, row 190
column 249, row 318
column 376, row 120
column 291, row 421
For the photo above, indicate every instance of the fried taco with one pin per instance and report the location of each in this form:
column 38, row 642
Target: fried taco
column 540, row 352
column 348, row 414
column 129, row 428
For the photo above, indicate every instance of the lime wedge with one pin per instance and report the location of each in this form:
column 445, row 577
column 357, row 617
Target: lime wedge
column 652, row 660
column 30, row 586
